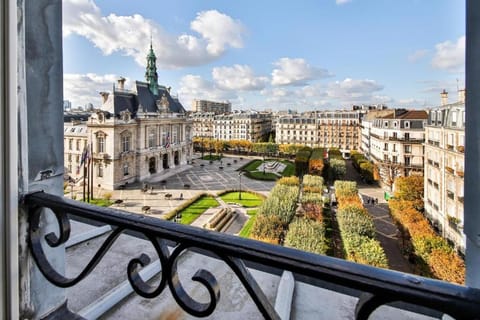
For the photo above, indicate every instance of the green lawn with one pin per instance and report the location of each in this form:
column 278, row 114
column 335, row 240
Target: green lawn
column 190, row 213
column 100, row 202
column 251, row 169
column 249, row 200
column 245, row 232
column 213, row 157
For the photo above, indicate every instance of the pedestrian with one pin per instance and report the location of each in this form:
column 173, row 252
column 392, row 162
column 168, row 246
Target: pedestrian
column 376, row 200
column 368, row 200
column 181, row 196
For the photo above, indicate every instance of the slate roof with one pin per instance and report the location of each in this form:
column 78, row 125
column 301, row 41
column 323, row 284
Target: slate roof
column 408, row 115
column 144, row 100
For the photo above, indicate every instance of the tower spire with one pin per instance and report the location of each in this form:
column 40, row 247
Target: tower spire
column 151, row 72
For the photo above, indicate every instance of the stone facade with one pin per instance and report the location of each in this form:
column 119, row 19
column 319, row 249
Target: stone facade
column 211, row 106
column 396, row 144
column 326, row 129
column 135, row 135
column 245, row 125
column 444, row 170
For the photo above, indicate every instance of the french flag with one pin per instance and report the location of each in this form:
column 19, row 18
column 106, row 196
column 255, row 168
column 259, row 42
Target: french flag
column 167, row 145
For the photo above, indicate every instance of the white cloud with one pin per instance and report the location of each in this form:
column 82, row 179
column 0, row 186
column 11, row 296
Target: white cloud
column 219, row 30
column 195, row 87
column 351, row 91
column 237, row 77
column 130, row 35
column 450, row 55
column 81, row 89
column 417, row 55
column 295, row 71
column 339, row 2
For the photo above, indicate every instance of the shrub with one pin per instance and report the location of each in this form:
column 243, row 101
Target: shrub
column 356, row 228
column 437, row 259
column 312, row 181
column 345, row 189
column 184, row 205
column 267, row 228
column 316, row 164
column 307, row 235
column 301, row 161
column 355, row 220
column 289, row 181
column 313, row 211
column 364, row 250
column 447, row 266
column 281, row 202
column 107, row 195
column 338, row 168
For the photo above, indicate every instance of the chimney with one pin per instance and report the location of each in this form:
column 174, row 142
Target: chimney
column 104, row 96
column 121, row 83
column 461, row 95
column 444, row 96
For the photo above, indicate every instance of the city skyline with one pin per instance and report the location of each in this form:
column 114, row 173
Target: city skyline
column 326, row 55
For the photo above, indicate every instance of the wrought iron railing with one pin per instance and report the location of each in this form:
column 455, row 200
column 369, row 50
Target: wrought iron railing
column 378, row 286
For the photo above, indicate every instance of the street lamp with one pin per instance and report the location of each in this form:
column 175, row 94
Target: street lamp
column 240, row 185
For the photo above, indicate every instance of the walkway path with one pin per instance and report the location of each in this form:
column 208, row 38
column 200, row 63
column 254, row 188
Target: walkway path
column 387, row 232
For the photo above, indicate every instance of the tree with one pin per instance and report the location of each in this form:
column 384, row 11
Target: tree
column 410, row 189
column 218, row 146
column 338, row 167
column 389, row 171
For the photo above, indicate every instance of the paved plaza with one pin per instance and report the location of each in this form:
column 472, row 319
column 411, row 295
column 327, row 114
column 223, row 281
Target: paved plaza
column 183, row 184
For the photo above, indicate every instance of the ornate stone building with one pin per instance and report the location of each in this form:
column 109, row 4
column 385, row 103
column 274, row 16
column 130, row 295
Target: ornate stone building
column 396, row 144
column 326, row 129
column 445, row 168
column 137, row 133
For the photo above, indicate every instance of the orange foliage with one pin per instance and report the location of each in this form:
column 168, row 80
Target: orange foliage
column 313, row 211
column 315, row 166
column 349, row 201
column 447, row 266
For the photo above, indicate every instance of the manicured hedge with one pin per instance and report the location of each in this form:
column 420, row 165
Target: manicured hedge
column 435, row 258
column 267, row 228
column 184, row 205
column 345, row 189
column 316, row 163
column 363, row 166
column 281, row 202
column 356, row 227
column 307, row 235
column 301, row 161
column 289, row 181
column 312, row 181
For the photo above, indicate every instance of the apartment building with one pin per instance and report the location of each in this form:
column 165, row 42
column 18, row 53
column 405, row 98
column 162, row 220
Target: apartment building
column 327, row 129
column 444, row 168
column 211, row 106
column 396, row 144
column 203, row 124
column 243, row 125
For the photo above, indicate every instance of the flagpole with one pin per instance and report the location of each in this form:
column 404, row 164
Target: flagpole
column 88, row 180
column 91, row 170
column 84, row 180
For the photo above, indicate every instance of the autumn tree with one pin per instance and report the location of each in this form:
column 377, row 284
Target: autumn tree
column 410, row 189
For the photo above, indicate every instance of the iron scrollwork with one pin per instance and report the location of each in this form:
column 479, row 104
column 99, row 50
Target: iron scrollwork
column 168, row 262
column 378, row 286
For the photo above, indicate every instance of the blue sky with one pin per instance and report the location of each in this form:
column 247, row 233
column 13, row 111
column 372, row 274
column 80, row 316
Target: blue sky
column 304, row 55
